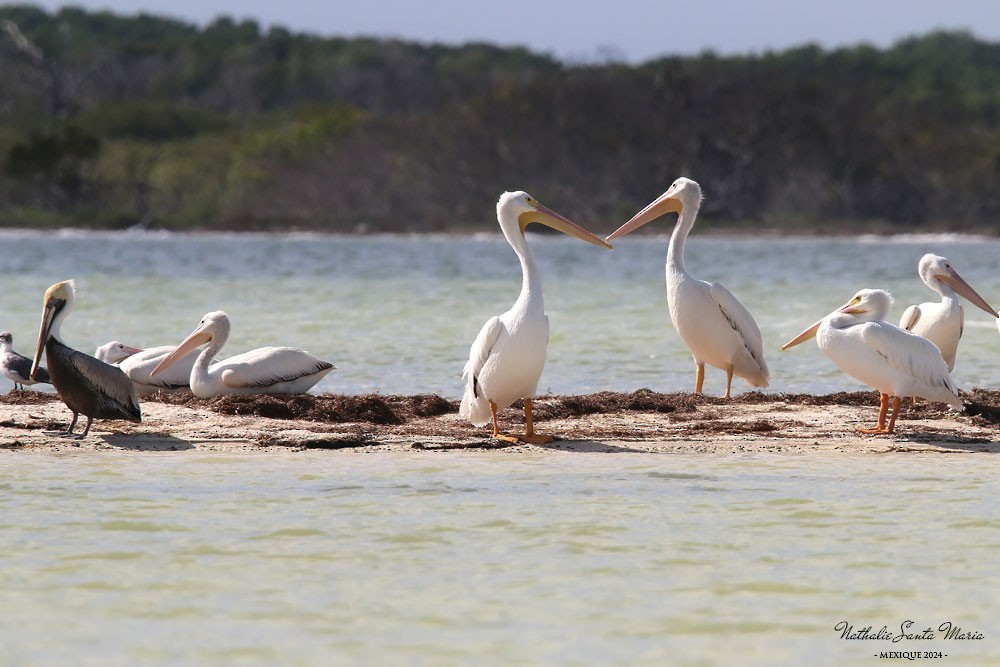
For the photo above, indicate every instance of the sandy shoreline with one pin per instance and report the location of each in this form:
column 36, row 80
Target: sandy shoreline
column 639, row 422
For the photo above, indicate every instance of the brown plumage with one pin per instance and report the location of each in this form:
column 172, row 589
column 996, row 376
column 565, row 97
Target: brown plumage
column 86, row 385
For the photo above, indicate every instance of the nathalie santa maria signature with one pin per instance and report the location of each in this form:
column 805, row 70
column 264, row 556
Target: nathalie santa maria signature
column 908, row 631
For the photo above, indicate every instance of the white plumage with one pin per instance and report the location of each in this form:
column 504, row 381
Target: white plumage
column 942, row 322
column 508, row 355
column 265, row 370
column 138, row 364
column 894, row 361
column 715, row 326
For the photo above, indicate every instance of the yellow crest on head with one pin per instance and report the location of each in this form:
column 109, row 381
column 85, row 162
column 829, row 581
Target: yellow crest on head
column 62, row 290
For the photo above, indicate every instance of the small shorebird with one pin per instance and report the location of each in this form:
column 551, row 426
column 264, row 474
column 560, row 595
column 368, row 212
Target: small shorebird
column 715, row 326
column 17, row 367
column 941, row 322
column 86, row 385
column 892, row 360
column 507, row 357
column 265, row 370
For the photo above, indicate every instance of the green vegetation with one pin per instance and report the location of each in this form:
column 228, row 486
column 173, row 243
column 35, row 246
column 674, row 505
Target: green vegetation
column 113, row 121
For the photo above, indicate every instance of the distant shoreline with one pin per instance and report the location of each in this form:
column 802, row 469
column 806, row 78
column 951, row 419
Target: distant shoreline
column 772, row 232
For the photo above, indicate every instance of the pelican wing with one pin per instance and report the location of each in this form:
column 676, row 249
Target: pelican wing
column 910, row 318
column 910, row 354
column 107, row 381
column 482, row 347
column 742, row 322
column 268, row 366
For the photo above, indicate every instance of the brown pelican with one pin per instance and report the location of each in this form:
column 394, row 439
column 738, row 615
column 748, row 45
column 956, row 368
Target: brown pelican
column 138, row 364
column 507, row 357
column 265, row 370
column 17, row 367
column 86, row 385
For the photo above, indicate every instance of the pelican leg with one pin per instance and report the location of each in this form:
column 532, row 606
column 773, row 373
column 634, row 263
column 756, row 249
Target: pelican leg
column 496, row 428
column 729, row 379
column 699, row 378
column 896, row 404
column 69, row 432
column 529, row 427
column 882, row 410
column 83, row 435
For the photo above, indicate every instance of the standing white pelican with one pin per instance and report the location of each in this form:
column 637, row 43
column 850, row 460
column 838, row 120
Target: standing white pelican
column 86, row 385
column 138, row 364
column 507, row 357
column 265, row 370
column 892, row 360
column 942, row 322
column 713, row 324
column 17, row 367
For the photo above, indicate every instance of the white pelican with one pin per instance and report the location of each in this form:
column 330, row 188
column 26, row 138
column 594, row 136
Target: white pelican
column 17, row 367
column 138, row 364
column 508, row 355
column 892, row 360
column 86, row 385
column 942, row 322
column 265, row 370
column 713, row 324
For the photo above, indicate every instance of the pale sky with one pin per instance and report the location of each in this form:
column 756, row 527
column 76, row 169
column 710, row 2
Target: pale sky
column 585, row 30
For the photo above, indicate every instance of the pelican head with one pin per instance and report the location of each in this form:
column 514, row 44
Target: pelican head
column 214, row 326
column 115, row 352
column 56, row 305
column 526, row 210
column 867, row 305
column 937, row 272
column 682, row 193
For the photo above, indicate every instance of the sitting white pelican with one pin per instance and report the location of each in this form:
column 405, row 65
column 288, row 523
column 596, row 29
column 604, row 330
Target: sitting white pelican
column 138, row 364
column 713, row 324
column 892, row 360
column 86, row 385
column 507, row 357
column 265, row 370
column 17, row 367
column 942, row 322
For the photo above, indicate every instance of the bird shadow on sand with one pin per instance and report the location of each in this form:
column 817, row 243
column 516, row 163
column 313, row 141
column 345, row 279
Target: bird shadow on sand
column 947, row 443
column 590, row 447
column 148, row 442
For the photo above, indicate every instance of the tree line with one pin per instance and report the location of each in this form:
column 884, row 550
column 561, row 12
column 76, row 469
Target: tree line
column 114, row 121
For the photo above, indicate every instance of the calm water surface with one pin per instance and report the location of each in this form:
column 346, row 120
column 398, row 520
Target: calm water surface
column 486, row 559
column 397, row 314
column 507, row 559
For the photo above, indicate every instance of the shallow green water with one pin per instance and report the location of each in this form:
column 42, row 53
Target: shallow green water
column 496, row 559
column 487, row 559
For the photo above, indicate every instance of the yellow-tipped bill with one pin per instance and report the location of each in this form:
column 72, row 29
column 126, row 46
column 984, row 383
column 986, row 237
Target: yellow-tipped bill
column 957, row 283
column 548, row 217
column 665, row 203
column 196, row 338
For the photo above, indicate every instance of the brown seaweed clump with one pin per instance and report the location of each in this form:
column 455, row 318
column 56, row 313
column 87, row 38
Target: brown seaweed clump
column 28, row 397
column 334, row 408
